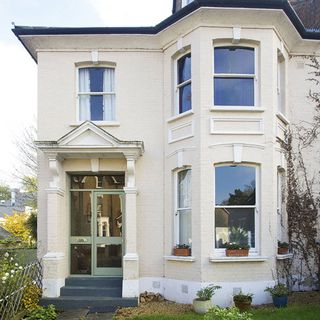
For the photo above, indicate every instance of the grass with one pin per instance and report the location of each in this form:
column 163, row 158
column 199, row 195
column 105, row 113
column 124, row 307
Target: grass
column 295, row 312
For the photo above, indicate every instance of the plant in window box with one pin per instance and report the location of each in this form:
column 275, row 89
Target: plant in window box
column 237, row 250
column 183, row 250
column 243, row 301
column 203, row 303
column 283, row 247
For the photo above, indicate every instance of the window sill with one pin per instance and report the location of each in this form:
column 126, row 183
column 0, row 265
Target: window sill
column 237, row 109
column 284, row 256
column 180, row 116
column 98, row 123
column 238, row 259
column 180, row 258
column 283, row 118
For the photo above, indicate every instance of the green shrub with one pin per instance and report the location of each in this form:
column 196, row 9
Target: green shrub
column 206, row 293
column 217, row 313
column 41, row 313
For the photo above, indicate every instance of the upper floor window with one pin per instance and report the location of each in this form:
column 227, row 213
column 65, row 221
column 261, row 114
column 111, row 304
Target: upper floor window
column 183, row 208
column 185, row 2
column 281, row 85
column 96, row 94
column 235, row 205
column 234, row 75
column 184, row 83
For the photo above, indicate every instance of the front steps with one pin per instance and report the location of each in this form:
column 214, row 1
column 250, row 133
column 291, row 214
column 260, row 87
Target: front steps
column 98, row 294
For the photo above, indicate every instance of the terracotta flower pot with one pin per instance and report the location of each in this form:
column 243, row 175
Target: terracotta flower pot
column 237, row 252
column 243, row 305
column 283, row 250
column 184, row 252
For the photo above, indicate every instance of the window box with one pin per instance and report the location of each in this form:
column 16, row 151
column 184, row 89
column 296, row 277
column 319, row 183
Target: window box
column 237, row 252
column 283, row 250
column 182, row 252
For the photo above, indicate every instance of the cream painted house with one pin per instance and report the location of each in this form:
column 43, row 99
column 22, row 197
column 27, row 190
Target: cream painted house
column 157, row 136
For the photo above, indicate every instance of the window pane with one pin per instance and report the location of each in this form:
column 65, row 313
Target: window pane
column 96, row 79
column 96, row 107
column 109, row 256
column 185, row 226
column 185, row 98
column 234, row 60
column 184, row 68
column 233, row 92
column 184, row 189
column 81, row 213
column 234, row 225
column 80, row 259
column 235, row 185
column 112, row 181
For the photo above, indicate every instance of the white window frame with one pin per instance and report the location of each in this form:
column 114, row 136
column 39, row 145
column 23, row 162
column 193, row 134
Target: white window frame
column 176, row 231
column 185, row 3
column 254, row 76
column 180, row 85
column 281, row 84
column 255, row 250
column 103, row 93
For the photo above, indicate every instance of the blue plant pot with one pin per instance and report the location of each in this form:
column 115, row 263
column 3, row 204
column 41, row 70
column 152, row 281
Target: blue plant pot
column 280, row 302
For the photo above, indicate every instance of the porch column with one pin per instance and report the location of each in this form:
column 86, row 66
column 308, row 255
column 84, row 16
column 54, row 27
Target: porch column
column 131, row 258
column 54, row 259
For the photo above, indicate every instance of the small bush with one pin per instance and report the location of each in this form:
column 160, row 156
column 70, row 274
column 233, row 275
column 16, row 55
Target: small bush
column 226, row 314
column 41, row 313
column 31, row 296
column 206, row 293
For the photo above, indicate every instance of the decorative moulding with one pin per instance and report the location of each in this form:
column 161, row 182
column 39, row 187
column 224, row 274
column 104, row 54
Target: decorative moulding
column 181, row 132
column 238, row 259
column 180, row 258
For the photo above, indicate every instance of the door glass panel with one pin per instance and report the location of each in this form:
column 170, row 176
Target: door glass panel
column 109, row 256
column 81, row 213
column 80, row 259
column 109, row 216
column 110, row 181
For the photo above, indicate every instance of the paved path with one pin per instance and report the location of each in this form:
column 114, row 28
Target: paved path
column 82, row 314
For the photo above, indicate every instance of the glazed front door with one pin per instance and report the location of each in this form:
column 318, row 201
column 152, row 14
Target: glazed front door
column 107, row 234
column 96, row 232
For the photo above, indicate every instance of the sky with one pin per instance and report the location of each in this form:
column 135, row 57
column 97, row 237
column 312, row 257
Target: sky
column 18, row 77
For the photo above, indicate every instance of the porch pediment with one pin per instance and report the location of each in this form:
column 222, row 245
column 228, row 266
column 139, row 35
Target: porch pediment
column 88, row 140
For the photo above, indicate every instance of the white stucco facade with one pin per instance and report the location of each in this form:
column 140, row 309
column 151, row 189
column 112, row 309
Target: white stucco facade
column 150, row 143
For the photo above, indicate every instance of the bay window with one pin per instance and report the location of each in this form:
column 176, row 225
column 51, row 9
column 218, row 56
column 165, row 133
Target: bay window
column 234, row 76
column 235, row 205
column 96, row 94
column 183, row 207
column 183, row 88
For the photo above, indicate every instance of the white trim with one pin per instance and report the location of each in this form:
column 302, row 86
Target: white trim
column 181, row 115
column 247, row 145
column 236, row 109
column 131, row 257
column 284, row 256
column 217, row 120
column 238, row 259
column 98, row 123
column 283, row 118
column 181, row 126
column 179, row 258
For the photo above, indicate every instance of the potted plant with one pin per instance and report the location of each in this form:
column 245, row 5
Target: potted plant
column 236, row 250
column 243, row 301
column 203, row 303
column 279, row 294
column 182, row 250
column 283, row 247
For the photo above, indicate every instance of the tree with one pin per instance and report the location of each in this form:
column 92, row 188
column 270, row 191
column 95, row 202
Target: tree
column 16, row 225
column 5, row 192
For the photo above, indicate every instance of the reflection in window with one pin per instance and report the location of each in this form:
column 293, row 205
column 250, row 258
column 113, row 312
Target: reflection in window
column 234, row 73
column 184, row 83
column 235, row 199
column 183, row 214
column 111, row 181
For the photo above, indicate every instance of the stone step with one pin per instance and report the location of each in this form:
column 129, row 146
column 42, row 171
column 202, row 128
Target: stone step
column 104, row 282
column 93, row 304
column 91, row 291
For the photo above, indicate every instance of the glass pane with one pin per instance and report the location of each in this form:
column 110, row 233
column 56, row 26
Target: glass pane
column 234, row 60
column 184, row 68
column 109, row 107
column 111, row 181
column 184, row 189
column 109, row 216
column 96, row 108
column 80, row 259
column 185, row 227
column 233, row 92
column 235, row 185
column 84, row 107
column 96, row 79
column 234, row 225
column 109, row 256
column 80, row 213
column 185, row 98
